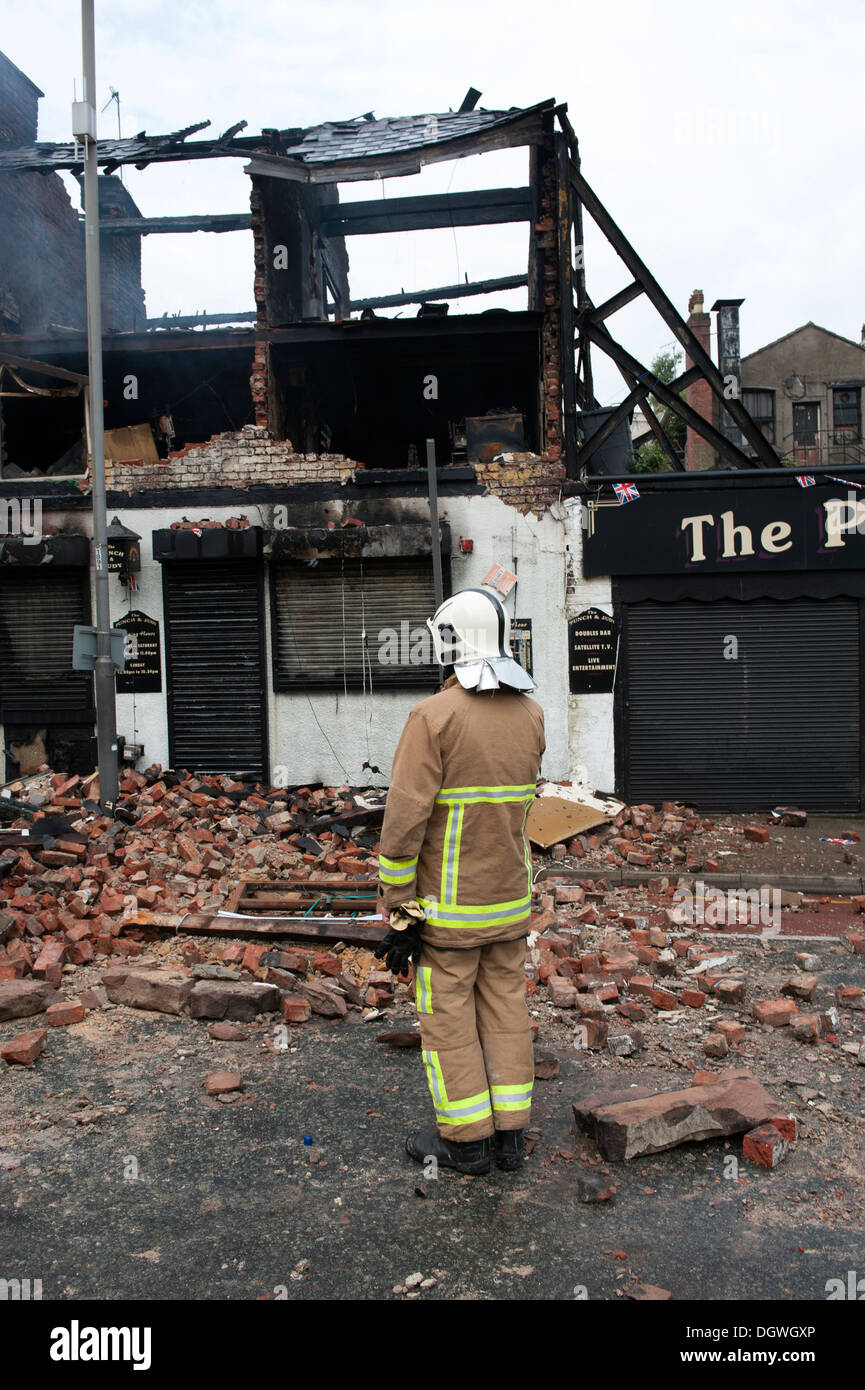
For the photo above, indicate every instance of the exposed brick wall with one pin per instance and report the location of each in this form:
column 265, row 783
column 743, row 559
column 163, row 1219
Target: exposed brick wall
column 246, row 458
column 698, row 453
column 256, row 209
column 527, row 482
column 551, row 342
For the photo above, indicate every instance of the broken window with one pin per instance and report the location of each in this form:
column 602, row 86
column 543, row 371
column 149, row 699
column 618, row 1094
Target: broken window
column 846, row 420
column 377, row 392
column 760, row 405
column 353, row 624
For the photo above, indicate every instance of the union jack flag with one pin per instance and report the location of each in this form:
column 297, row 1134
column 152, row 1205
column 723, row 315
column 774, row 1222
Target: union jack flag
column 845, row 481
column 626, row 492
column 805, row 479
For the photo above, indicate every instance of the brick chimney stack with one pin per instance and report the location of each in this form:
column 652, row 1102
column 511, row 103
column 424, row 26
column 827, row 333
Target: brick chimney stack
column 698, row 454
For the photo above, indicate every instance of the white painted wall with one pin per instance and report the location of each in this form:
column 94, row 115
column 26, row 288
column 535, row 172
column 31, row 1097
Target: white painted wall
column 327, row 737
column 590, row 717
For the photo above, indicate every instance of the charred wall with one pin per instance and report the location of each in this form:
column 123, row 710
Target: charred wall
column 41, row 250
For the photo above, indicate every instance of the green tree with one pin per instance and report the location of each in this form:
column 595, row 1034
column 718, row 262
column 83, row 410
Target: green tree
column 650, row 457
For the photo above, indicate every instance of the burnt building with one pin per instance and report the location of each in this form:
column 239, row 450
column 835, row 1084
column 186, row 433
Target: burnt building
column 272, row 462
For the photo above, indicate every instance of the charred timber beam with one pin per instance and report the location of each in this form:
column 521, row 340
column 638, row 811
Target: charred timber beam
column 654, row 423
column 662, row 437
column 458, row 291
column 482, row 208
column 765, row 454
column 564, row 220
column 590, row 447
column 615, row 303
column 620, row 355
column 193, row 320
column 148, row 226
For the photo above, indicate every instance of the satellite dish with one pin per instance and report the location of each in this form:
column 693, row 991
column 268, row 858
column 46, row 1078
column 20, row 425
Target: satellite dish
column 794, row 387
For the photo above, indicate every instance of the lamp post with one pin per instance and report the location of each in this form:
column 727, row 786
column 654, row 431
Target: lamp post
column 84, row 130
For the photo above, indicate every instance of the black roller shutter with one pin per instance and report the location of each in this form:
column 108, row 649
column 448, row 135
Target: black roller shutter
column 320, row 614
column 38, row 611
column 777, row 725
column 215, row 661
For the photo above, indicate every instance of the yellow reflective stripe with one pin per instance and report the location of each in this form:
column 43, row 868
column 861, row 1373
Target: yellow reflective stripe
column 527, row 847
column 503, row 798
column 477, row 924
column 446, row 856
column 455, row 858
column 423, row 989
column 512, row 1097
column 491, row 914
column 397, row 866
column 398, row 880
column 509, row 787
column 465, row 1112
column 453, row 1112
column 435, row 1079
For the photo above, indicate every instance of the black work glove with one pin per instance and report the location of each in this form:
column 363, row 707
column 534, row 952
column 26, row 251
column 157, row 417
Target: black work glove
column 399, row 948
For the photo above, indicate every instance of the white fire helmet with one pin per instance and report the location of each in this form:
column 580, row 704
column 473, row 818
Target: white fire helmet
column 471, row 631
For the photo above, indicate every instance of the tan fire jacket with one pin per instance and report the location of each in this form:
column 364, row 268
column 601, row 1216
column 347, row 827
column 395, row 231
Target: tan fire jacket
column 464, row 777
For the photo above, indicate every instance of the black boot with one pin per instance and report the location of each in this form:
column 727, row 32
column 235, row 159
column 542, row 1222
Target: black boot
column 473, row 1157
column 509, row 1149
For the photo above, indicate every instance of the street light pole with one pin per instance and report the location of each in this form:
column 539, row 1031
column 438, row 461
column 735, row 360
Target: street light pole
column 84, row 129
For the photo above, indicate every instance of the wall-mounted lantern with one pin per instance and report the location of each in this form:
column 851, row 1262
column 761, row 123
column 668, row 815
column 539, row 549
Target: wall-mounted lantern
column 124, row 552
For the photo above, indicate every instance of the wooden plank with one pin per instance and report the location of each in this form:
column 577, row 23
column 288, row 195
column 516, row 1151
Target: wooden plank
column 286, row 902
column 367, row 218
column 389, row 301
column 234, row 896
column 208, row 222
column 293, row 928
column 300, row 885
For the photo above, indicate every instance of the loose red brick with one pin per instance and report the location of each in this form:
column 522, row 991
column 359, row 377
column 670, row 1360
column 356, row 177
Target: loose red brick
column 776, row 1013
column 630, row 1011
column 66, row 1012
column 800, row 987
column 764, row 1145
column 733, row 1032
column 563, row 994
column 757, row 834
column 24, row 1048
column 592, row 1033
column 664, row 999
column 694, row 998
column 48, row 964
column 641, row 985
column 569, row 893
column 729, row 989
column 806, row 1027
column 850, row 997
column 295, row 1009
column 219, row 1083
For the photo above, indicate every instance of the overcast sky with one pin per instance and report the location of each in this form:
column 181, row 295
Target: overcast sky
column 726, row 141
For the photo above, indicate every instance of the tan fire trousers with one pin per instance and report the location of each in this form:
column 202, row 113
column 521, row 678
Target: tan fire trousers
column 476, row 1039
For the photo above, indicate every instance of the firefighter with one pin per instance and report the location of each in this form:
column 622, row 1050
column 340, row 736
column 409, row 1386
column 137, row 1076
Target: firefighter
column 455, row 881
